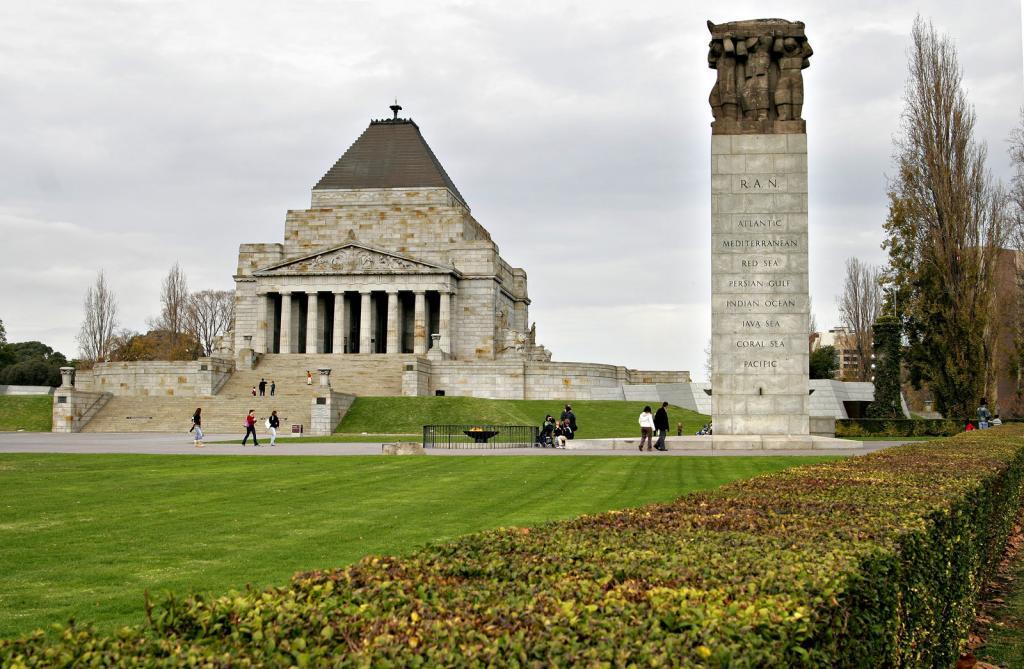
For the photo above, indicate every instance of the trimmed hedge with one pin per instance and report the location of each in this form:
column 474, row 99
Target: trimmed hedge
column 898, row 427
column 869, row 561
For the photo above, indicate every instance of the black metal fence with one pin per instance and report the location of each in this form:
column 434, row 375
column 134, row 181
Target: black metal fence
column 479, row 436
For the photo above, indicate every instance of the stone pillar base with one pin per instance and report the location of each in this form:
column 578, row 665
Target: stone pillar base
column 777, row 442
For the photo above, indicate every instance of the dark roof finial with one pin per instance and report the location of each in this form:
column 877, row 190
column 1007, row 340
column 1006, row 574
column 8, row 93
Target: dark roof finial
column 395, row 108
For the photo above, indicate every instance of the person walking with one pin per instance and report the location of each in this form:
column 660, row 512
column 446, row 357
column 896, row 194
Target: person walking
column 661, row 425
column 983, row 414
column 197, row 428
column 250, row 428
column 309, row 378
column 254, row 391
column 571, row 417
column 273, row 387
column 272, row 424
column 646, row 428
column 263, row 387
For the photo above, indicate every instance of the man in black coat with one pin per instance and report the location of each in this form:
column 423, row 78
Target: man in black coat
column 661, row 426
column 571, row 417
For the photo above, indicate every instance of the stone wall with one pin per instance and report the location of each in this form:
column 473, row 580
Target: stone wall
column 186, row 378
column 26, row 390
column 73, row 408
column 514, row 379
column 327, row 411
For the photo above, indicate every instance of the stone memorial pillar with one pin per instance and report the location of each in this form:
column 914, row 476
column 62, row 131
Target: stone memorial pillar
column 392, row 336
column 365, row 322
column 312, row 323
column 286, row 323
column 338, row 342
column 760, row 304
column 67, row 376
column 419, row 337
column 325, row 376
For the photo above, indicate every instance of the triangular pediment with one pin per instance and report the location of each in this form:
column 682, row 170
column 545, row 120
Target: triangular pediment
column 353, row 258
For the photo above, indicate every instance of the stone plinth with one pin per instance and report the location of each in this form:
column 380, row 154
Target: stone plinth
column 403, row 448
column 760, row 302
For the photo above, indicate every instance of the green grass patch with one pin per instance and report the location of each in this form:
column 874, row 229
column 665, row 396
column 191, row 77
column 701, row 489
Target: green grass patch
column 31, row 413
column 596, row 419
column 1004, row 640
column 84, row 536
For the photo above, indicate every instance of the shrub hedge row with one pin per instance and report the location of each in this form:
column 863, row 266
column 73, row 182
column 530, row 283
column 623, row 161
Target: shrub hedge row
column 907, row 427
column 868, row 561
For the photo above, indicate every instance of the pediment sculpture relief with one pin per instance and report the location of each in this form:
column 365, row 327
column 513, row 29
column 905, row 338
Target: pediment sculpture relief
column 355, row 261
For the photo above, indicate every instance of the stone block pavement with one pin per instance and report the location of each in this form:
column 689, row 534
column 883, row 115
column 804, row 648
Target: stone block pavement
column 181, row 444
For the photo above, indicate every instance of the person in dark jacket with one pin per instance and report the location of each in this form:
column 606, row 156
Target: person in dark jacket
column 571, row 417
column 197, row 427
column 263, row 387
column 273, row 423
column 661, row 426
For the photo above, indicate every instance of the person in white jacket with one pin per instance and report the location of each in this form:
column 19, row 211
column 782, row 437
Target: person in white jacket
column 646, row 428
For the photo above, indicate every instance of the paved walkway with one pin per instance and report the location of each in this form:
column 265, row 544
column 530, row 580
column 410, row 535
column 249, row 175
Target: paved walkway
column 179, row 444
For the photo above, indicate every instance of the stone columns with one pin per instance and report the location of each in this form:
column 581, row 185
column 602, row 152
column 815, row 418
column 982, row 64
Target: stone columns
column 286, row 322
column 365, row 323
column 339, row 323
column 444, row 322
column 392, row 343
column 419, row 336
column 266, row 327
column 311, row 323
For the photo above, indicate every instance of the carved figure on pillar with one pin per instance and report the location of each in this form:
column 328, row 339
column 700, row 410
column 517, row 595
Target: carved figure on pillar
column 759, row 88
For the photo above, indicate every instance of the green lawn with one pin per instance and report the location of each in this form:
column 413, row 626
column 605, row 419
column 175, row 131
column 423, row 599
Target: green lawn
column 84, row 535
column 32, row 413
column 1004, row 640
column 595, row 419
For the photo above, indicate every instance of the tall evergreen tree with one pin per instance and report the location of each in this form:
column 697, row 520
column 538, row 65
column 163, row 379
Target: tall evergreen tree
column 887, row 346
column 947, row 221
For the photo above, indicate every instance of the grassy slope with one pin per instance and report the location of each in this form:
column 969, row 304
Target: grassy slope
column 85, row 535
column 595, row 418
column 32, row 413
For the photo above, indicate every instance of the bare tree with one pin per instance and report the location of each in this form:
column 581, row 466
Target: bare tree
column 859, row 307
column 174, row 300
column 97, row 333
column 1017, row 184
column 947, row 221
column 209, row 315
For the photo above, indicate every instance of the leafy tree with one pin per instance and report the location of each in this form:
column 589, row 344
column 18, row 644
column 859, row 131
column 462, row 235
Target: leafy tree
column 887, row 404
column 31, row 363
column 946, row 223
column 824, row 362
column 3, row 332
column 156, row 345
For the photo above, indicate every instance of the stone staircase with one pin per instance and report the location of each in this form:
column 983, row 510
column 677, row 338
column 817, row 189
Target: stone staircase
column 224, row 413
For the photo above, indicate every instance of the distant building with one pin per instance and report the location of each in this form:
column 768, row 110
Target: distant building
column 845, row 343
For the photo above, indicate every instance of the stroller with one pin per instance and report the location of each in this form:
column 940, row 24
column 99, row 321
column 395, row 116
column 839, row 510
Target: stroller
column 545, row 435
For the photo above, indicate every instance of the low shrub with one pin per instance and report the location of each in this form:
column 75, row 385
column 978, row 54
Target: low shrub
column 883, row 427
column 869, row 561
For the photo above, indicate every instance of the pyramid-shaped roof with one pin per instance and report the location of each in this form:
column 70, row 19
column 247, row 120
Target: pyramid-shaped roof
column 389, row 154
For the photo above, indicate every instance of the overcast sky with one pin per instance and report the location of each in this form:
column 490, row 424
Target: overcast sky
column 137, row 134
